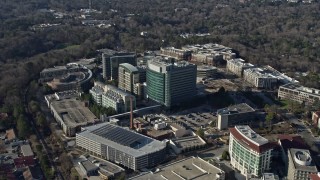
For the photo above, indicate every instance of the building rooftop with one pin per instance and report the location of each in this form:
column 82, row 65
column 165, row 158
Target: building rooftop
column 97, row 90
column 10, row 134
column 88, row 166
column 302, row 160
column 262, row 73
column 291, row 141
column 120, row 138
column 300, row 88
column 235, row 109
column 240, row 62
column 162, row 61
column 130, row 67
column 188, row 141
column 269, row 176
column 73, row 112
column 26, row 150
column 210, row 47
column 189, row 168
column 248, row 138
column 206, row 68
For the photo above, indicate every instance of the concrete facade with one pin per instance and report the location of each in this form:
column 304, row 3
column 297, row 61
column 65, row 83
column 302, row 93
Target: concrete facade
column 237, row 66
column 298, row 93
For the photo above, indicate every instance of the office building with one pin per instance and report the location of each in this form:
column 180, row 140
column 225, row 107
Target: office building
column 239, row 114
column 189, row 168
column 237, row 66
column 206, row 71
column 169, row 82
column 178, row 54
column 250, row 153
column 111, row 96
column 301, row 164
column 298, row 93
column 111, row 61
column 131, row 79
column 210, row 54
column 70, row 113
column 125, row 147
column 73, row 76
column 260, row 78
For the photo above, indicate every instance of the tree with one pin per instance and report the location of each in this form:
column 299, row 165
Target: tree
column 200, row 132
column 225, row 155
column 269, row 119
column 41, row 120
column 22, row 127
column 221, row 90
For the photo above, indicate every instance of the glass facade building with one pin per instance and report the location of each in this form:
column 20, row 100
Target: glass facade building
column 170, row 83
column 250, row 153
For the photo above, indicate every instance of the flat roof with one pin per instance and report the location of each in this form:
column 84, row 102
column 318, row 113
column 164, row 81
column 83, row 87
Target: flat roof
column 26, row 150
column 122, row 139
column 248, row 138
column 206, row 68
column 236, row 109
column 188, row 141
column 189, row 168
column 297, row 87
column 88, row 165
column 73, row 112
column 240, row 62
column 302, row 160
column 10, row 134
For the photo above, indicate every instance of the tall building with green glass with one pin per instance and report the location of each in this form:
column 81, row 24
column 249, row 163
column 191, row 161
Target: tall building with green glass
column 250, row 153
column 169, row 82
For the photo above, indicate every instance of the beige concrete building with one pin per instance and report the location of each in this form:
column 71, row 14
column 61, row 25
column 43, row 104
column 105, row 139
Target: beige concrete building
column 237, row 66
column 131, row 79
column 70, row 113
column 190, row 168
column 300, row 165
column 298, row 93
column 235, row 115
column 260, row 78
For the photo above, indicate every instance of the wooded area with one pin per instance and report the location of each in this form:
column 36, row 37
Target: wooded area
column 285, row 36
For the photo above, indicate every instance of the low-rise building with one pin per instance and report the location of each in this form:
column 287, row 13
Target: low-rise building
column 188, row 143
column 178, row 54
column 69, row 77
column 70, row 113
column 189, row 168
column 239, row 114
column 260, row 78
column 26, row 150
column 206, row 71
column 88, row 168
column 299, row 93
column 301, row 164
column 250, row 153
column 237, row 66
